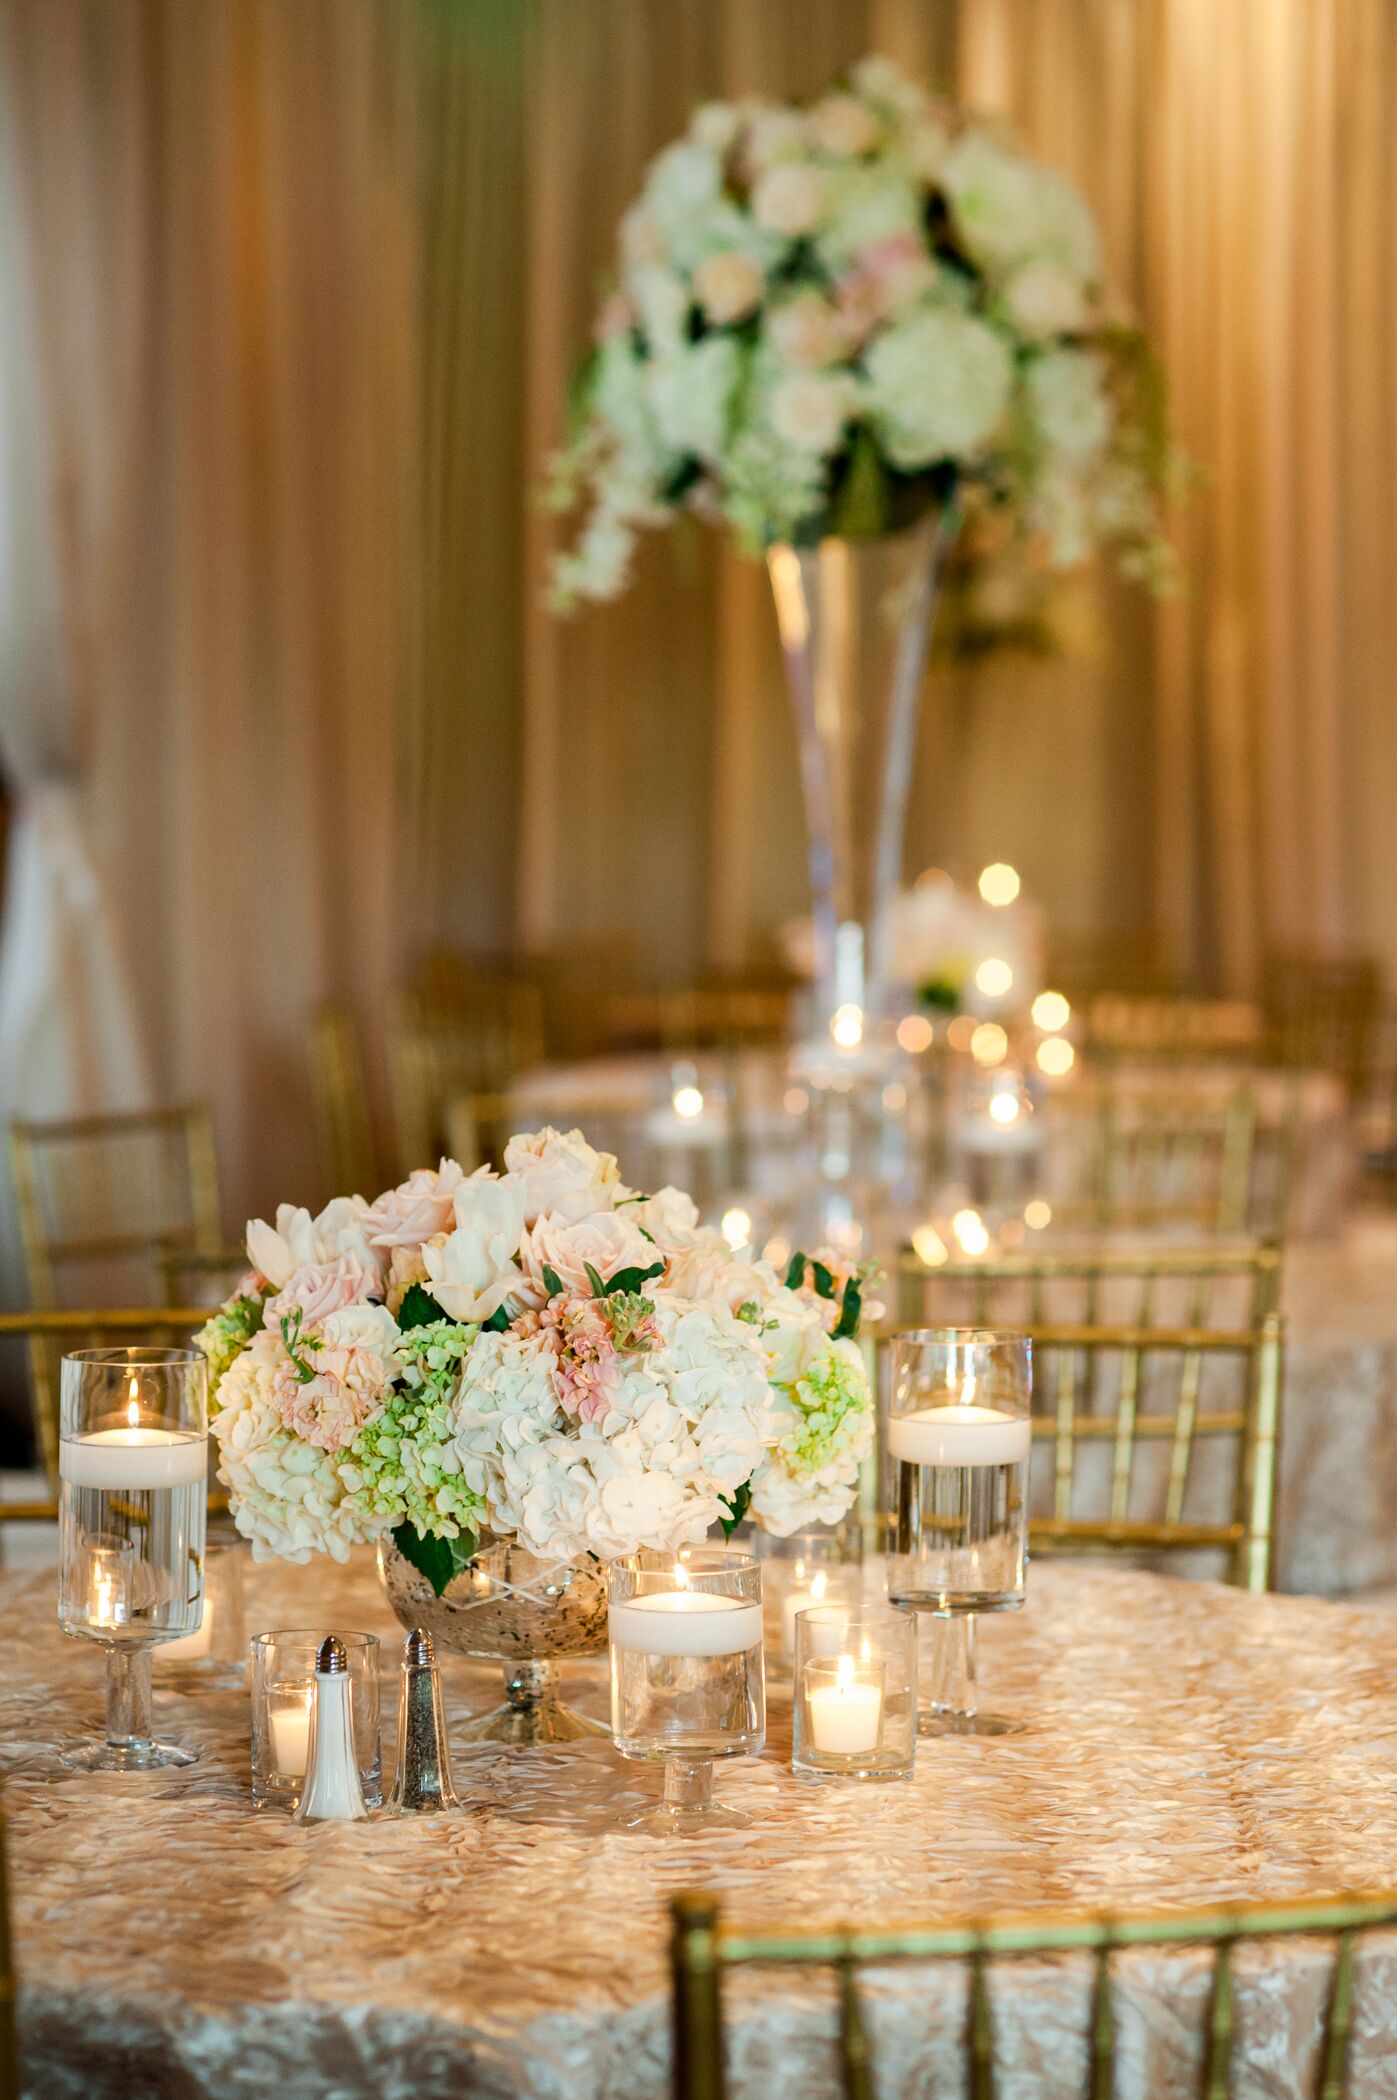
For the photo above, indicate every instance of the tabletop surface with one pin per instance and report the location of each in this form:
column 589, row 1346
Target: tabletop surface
column 1180, row 1744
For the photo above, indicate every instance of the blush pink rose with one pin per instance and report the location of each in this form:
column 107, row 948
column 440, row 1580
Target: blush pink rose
column 319, row 1288
column 417, row 1209
column 609, row 1240
column 329, row 1409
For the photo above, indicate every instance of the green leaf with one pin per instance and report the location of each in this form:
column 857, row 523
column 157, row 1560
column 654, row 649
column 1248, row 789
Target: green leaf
column 598, row 1287
column 418, row 1309
column 795, row 1274
column 737, row 1509
column 824, row 1281
column 859, row 507
column 498, row 1320
column 632, row 1279
column 552, row 1281
column 440, row 1560
column 850, row 1312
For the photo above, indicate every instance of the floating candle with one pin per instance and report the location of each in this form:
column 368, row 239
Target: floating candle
column 960, row 1434
column 136, row 1457
column 685, row 1622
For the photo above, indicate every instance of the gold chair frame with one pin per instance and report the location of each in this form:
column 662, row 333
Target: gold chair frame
column 11, row 2080
column 1248, row 1538
column 1202, row 1266
column 43, row 1326
column 340, row 1090
column 702, row 1949
column 1153, row 1135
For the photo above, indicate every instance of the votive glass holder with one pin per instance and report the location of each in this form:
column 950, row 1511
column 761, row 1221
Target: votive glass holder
column 855, row 1709
column 816, row 1566
column 686, row 1676
column 216, row 1652
column 283, row 1695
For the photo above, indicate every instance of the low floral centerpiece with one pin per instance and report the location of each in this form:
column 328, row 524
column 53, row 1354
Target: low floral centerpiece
column 542, row 1356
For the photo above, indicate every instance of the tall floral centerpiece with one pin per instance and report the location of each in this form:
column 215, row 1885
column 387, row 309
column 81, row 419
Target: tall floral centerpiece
column 859, row 332
column 540, row 1361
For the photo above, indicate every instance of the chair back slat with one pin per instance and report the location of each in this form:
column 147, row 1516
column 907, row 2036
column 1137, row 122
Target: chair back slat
column 1338, row 2017
column 698, row 2011
column 1103, row 2029
column 980, row 2036
column 1064, row 1439
column 1217, row 2055
column 1185, row 1421
column 1127, row 1399
column 855, row 2058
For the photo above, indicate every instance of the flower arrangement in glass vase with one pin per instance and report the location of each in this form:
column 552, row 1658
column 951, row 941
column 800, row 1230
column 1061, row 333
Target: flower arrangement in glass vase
column 540, row 1360
column 829, row 320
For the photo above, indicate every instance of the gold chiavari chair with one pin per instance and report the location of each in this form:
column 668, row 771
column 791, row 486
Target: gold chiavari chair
column 1143, row 1287
column 1143, row 1158
column 1157, row 1030
column 704, row 1950
column 437, row 1053
column 1105, row 1394
column 11, row 2079
column 54, row 1329
column 106, row 1205
column 340, row 1089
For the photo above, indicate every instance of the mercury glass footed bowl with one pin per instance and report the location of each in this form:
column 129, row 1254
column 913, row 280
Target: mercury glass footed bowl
column 522, row 1612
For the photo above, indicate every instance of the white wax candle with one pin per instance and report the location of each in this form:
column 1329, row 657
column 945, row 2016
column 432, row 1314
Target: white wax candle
column 805, row 1598
column 846, row 1716
column 290, row 1721
column 960, row 1436
column 133, row 1458
column 685, row 1622
column 191, row 1646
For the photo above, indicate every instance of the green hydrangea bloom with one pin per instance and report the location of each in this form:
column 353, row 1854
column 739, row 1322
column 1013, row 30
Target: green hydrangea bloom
column 225, row 1335
column 833, row 1402
column 403, row 1464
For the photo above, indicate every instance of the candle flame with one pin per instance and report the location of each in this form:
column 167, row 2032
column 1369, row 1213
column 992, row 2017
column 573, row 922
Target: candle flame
column 817, row 1587
column 681, row 1576
column 133, row 1405
column 844, row 1676
column 967, row 1391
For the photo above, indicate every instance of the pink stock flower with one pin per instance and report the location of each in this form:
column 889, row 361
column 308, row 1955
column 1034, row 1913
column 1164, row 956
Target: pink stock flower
column 319, row 1288
column 329, row 1408
column 589, row 1353
column 417, row 1209
column 887, row 274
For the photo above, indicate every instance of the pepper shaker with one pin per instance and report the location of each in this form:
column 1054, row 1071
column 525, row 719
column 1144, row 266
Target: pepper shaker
column 422, row 1783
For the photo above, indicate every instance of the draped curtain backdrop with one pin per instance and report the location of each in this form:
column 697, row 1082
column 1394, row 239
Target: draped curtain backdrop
column 292, row 294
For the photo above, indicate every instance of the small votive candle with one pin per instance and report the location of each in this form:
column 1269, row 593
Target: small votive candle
column 284, row 1667
column 288, row 1718
column 108, row 1564
column 856, row 1694
column 846, row 1706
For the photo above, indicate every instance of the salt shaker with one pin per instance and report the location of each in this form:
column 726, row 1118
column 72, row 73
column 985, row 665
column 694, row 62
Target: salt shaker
column 422, row 1784
column 332, row 1792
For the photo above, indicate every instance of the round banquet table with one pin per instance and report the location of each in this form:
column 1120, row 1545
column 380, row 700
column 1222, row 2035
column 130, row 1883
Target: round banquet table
column 1180, row 1744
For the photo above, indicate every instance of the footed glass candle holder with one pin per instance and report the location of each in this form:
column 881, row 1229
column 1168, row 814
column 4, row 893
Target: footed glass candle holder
column 855, row 1714
column 133, row 1488
column 806, row 1569
column 686, row 1676
column 283, row 1699
column 959, row 1438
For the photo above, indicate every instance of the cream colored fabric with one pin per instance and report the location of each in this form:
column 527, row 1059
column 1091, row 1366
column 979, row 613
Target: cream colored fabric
column 1179, row 1744
column 327, row 265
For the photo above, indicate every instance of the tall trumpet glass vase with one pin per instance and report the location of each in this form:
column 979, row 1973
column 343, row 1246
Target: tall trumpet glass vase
column 959, row 1437
column 855, row 619
column 133, row 1493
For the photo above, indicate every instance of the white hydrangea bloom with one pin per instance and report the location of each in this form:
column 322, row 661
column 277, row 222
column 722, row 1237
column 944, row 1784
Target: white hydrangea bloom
column 824, row 1431
column 684, row 1430
column 691, row 392
column 1009, row 209
column 288, row 1496
column 1069, row 404
column 865, row 204
column 937, row 386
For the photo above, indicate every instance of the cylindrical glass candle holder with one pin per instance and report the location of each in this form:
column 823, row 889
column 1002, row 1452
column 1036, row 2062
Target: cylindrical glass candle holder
column 855, row 1714
column 817, row 1566
column 283, row 1693
column 133, row 1474
column 686, row 1675
column 959, row 1437
column 216, row 1652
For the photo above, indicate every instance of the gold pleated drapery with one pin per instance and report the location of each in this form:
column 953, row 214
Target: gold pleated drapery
column 331, row 725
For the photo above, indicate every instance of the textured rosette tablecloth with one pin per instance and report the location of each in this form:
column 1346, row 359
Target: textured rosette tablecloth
column 1181, row 1744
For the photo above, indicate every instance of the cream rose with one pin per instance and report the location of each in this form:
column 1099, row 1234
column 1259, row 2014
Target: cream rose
column 472, row 1270
column 318, row 1289
column 558, row 1173
column 728, row 286
column 276, row 1252
column 809, row 411
column 806, row 331
column 843, row 124
column 609, row 1241
column 789, row 198
column 1046, row 299
column 416, row 1209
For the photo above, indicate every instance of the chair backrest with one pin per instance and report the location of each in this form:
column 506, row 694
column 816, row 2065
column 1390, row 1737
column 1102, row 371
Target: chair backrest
column 1141, row 1158
column 704, row 1950
column 437, row 1054
column 1140, row 1287
column 1120, row 1412
column 1325, row 1011
column 1172, row 1030
column 48, row 1332
column 342, row 1104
